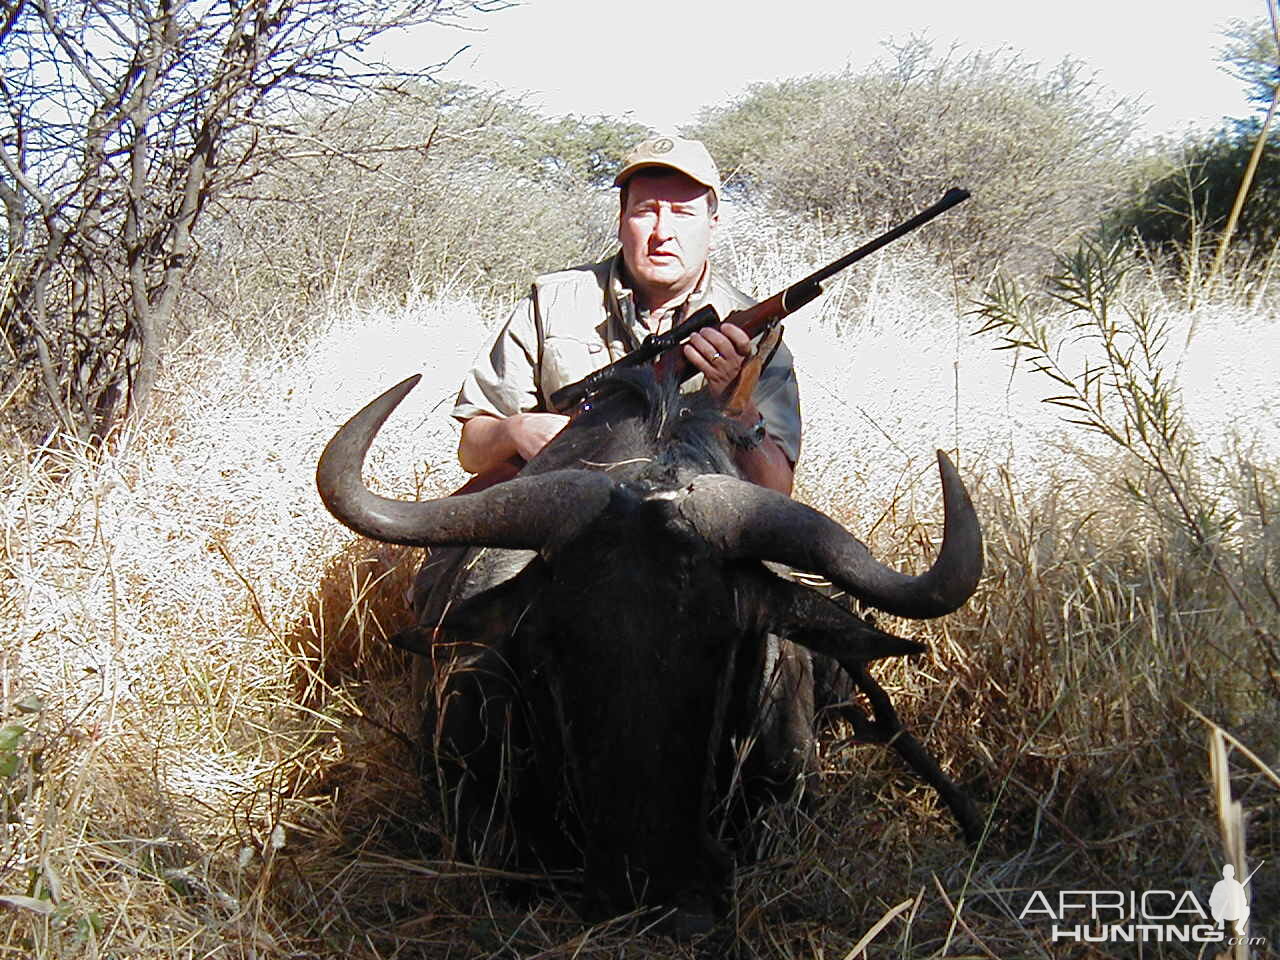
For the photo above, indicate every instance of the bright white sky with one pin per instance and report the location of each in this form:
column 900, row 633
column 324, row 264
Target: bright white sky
column 661, row 60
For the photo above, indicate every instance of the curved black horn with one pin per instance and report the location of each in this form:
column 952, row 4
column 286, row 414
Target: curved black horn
column 744, row 520
column 524, row 513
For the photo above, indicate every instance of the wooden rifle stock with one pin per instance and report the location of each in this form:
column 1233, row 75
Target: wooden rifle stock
column 756, row 321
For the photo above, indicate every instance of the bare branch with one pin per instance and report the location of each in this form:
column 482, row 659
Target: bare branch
column 73, row 55
column 25, row 182
column 10, row 19
column 121, row 123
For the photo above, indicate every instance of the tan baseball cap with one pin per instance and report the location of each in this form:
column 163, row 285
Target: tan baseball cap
column 690, row 157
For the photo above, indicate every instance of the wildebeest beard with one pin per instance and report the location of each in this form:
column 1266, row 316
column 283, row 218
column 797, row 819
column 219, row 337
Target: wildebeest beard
column 619, row 656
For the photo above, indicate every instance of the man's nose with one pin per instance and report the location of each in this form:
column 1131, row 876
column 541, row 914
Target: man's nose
column 662, row 225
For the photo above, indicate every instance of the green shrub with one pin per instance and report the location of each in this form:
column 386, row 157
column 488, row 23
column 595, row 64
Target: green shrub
column 1213, row 512
column 1185, row 196
column 1040, row 151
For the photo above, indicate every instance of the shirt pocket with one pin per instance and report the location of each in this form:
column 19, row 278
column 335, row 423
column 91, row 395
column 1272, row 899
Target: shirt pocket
column 567, row 360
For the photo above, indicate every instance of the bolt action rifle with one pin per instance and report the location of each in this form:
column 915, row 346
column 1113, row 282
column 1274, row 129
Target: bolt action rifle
column 756, row 321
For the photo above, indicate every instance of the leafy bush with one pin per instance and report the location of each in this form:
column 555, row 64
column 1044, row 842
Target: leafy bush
column 1180, row 196
column 1040, row 151
column 1251, row 56
column 1127, row 392
column 420, row 189
column 1186, row 196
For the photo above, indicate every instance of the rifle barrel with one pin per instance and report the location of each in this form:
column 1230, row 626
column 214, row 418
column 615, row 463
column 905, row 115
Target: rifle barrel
column 952, row 197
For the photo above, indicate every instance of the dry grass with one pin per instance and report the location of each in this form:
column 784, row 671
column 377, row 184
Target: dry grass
column 214, row 755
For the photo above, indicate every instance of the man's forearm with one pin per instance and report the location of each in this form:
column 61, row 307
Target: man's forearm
column 766, row 465
column 486, row 442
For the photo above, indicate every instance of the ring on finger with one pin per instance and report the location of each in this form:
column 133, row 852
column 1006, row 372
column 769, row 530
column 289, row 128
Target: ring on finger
column 716, row 355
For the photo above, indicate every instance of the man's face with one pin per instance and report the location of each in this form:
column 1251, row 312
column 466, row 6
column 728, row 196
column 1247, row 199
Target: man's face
column 665, row 230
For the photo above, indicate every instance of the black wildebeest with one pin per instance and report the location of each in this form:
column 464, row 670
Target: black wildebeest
column 611, row 653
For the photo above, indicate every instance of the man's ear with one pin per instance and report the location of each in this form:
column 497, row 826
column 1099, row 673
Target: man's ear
column 713, row 222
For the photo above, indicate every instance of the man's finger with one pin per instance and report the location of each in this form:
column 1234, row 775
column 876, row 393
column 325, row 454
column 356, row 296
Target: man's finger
column 702, row 362
column 738, row 337
column 713, row 344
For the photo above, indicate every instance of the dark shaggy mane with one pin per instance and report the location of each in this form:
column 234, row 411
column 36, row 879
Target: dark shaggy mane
column 671, row 416
column 638, row 416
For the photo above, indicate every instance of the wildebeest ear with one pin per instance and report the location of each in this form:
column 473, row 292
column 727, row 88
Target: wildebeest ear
column 483, row 618
column 806, row 617
column 490, row 614
column 413, row 640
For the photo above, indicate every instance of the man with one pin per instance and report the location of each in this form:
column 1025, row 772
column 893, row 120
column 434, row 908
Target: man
column 579, row 320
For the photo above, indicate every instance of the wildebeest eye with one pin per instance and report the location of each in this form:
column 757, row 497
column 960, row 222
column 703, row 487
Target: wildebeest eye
column 684, row 413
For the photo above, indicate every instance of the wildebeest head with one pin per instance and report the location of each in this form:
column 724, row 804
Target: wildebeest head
column 637, row 635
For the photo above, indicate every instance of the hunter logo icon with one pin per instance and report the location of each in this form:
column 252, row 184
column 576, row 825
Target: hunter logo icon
column 1228, row 901
column 663, row 146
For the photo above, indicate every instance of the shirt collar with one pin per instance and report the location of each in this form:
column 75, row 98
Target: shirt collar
column 623, row 300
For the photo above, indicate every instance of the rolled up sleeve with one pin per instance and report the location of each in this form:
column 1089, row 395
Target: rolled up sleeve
column 503, row 381
column 777, row 397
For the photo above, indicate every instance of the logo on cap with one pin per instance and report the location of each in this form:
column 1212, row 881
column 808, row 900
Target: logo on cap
column 686, row 156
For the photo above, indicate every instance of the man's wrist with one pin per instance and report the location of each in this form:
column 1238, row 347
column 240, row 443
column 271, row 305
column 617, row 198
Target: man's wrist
column 749, row 437
column 766, row 464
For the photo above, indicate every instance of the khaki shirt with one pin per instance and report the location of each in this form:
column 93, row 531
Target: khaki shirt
column 576, row 321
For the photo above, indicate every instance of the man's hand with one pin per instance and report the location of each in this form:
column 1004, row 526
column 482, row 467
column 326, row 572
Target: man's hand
column 719, row 352
column 530, row 432
column 487, row 441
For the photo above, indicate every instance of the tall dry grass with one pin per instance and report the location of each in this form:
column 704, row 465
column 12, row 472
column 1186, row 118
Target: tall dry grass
column 206, row 744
